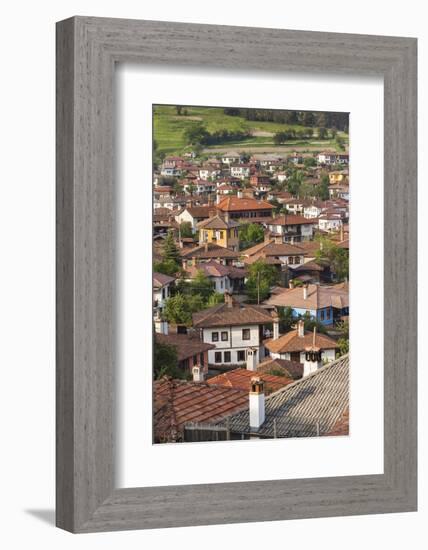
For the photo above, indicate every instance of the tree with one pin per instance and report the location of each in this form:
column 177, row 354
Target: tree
column 186, row 230
column 167, row 267
column 323, row 188
column 340, row 142
column 260, row 279
column 170, row 250
column 250, row 234
column 179, row 109
column 309, row 161
column 322, row 132
column 196, row 134
column 343, row 341
column 202, row 286
column 177, row 310
column 165, row 361
column 336, row 258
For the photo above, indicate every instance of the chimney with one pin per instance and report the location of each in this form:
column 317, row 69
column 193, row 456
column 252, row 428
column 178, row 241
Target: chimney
column 239, row 194
column 305, row 292
column 252, row 359
column 257, row 403
column 300, row 328
column 228, row 300
column 198, row 373
column 291, row 284
column 212, row 213
column 275, row 326
column 341, row 233
column 206, row 247
column 218, row 198
column 312, row 357
column 277, row 238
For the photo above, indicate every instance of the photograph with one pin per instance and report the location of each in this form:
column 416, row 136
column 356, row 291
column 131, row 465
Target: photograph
column 250, row 273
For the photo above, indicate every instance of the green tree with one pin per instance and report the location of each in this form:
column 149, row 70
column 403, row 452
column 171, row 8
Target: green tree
column 309, row 161
column 165, row 361
column 322, row 133
column 340, row 142
column 196, row 134
column 323, row 188
column 170, row 250
column 177, row 310
column 186, row 229
column 202, row 286
column 167, row 267
column 261, row 276
column 336, row 258
column 250, row 234
column 343, row 341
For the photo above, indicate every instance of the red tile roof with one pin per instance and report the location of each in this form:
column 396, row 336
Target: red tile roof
column 241, row 379
column 318, row 297
column 177, row 402
column 227, row 315
column 236, row 204
column 291, row 341
column 186, row 345
column 160, row 280
column 291, row 369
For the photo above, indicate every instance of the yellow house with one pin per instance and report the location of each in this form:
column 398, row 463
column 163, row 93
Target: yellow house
column 219, row 231
column 337, row 177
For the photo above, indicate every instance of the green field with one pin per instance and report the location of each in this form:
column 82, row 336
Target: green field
column 169, row 131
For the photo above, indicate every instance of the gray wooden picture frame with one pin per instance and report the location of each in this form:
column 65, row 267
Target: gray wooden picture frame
column 87, row 50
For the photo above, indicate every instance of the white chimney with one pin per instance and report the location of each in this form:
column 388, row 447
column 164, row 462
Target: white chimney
column 312, row 357
column 305, row 292
column 275, row 326
column 300, row 329
column 291, row 284
column 252, row 359
column 198, row 373
column 239, row 194
column 257, row 403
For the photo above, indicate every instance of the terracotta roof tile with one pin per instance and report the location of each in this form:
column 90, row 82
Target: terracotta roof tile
column 236, row 204
column 186, row 345
column 291, row 341
column 225, row 315
column 241, row 379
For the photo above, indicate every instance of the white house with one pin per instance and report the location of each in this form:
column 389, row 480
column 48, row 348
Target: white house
column 194, row 215
column 240, row 171
column 236, row 331
column 330, row 222
column 294, row 345
column 161, row 291
column 230, row 158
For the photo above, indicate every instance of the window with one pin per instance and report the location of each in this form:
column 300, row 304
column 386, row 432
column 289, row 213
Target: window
column 241, row 355
column 322, row 315
column 224, row 336
column 327, row 314
column 297, row 260
column 291, row 260
column 227, row 356
column 163, row 293
column 217, row 357
column 221, row 234
column 202, row 359
column 214, row 337
column 246, row 334
column 195, row 359
column 221, row 283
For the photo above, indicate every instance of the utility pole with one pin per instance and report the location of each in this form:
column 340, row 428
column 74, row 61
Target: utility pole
column 258, row 288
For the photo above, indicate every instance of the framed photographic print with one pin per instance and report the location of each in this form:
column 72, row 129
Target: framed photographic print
column 236, row 274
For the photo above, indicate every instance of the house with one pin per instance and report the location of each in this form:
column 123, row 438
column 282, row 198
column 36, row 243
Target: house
column 316, row 405
column 162, row 285
column 177, row 402
column 265, row 160
column 292, row 228
column 295, row 158
column 208, row 171
column 170, row 171
column 207, row 252
column 281, row 177
column 244, row 207
column 219, row 231
column 296, row 206
column 224, row 189
column 225, row 278
column 259, row 180
column 313, row 210
column 293, row 345
column 231, row 158
column 201, row 186
column 241, row 379
column 240, row 171
column 338, row 176
column 190, row 350
column 237, row 331
column 194, row 215
column 326, row 303
column 329, row 158
column 330, row 222
column 274, row 251
column 173, row 162
column 339, row 190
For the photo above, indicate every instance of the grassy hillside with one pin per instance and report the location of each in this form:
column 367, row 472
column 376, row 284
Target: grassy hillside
column 169, row 128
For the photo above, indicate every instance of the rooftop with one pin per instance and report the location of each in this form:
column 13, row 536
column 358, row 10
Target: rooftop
column 227, row 314
column 292, row 342
column 290, row 369
column 185, row 345
column 318, row 296
column 209, row 250
column 217, row 222
column 308, row 407
column 177, row 402
column 236, row 204
column 240, row 378
column 160, row 280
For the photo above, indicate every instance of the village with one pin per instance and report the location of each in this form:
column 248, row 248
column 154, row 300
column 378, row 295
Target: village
column 251, row 292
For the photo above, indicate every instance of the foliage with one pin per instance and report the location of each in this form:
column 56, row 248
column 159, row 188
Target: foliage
column 309, row 161
column 170, row 250
column 215, row 299
column 250, row 234
column 340, row 142
column 322, row 191
column 165, row 361
column 343, row 341
column 186, row 229
column 261, row 276
column 179, row 308
column 334, row 257
column 322, row 133
column 167, row 267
